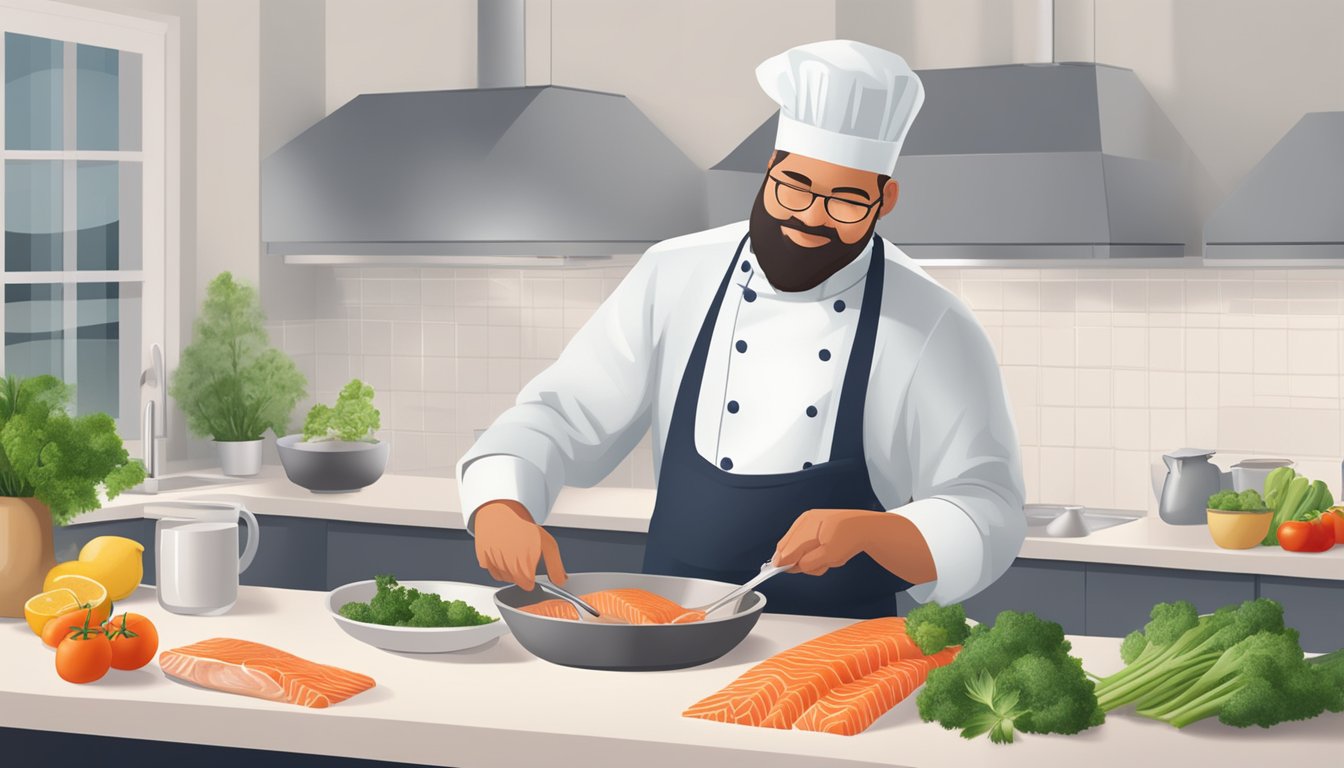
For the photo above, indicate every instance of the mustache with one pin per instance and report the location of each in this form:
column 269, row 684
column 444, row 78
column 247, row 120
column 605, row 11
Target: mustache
column 820, row 231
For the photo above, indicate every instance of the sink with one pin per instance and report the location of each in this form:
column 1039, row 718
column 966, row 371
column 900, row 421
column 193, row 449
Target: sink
column 1072, row 521
column 155, row 485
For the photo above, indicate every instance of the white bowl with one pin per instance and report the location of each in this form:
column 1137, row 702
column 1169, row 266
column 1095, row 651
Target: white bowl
column 421, row 639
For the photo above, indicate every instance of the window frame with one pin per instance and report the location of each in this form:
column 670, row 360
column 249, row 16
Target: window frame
column 157, row 40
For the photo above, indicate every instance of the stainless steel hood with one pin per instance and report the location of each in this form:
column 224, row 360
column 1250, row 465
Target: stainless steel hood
column 1019, row 164
column 1289, row 210
column 501, row 175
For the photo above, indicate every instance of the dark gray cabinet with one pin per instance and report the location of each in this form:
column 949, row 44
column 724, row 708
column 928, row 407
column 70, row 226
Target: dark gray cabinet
column 1119, row 598
column 1313, row 606
column 1050, row 589
column 358, row 551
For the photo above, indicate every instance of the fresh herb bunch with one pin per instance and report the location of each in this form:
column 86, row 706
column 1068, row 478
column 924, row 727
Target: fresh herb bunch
column 232, row 384
column 1231, row 501
column 399, row 606
column 58, row 458
column 353, row 418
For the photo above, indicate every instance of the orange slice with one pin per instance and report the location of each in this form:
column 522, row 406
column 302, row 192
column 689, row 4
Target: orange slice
column 45, row 606
column 88, row 592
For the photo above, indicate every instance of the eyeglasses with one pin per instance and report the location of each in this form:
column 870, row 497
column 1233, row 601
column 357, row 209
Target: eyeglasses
column 798, row 199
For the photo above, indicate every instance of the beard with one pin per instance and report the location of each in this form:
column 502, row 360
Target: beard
column 791, row 267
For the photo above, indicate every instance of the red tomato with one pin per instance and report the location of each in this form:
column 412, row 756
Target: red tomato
column 133, row 638
column 83, row 659
column 1307, row 536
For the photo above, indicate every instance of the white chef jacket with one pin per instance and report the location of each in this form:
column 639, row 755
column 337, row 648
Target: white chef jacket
column 939, row 440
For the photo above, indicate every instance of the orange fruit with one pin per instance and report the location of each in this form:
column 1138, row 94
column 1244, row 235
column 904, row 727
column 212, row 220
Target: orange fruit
column 45, row 606
column 87, row 592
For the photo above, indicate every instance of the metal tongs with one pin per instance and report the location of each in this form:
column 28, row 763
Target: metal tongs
column 592, row 614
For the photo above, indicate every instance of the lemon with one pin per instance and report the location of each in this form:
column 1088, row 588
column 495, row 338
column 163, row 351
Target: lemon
column 45, row 606
column 86, row 592
column 114, row 561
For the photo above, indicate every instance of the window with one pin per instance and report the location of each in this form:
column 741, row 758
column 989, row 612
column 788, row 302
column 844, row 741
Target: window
column 83, row 201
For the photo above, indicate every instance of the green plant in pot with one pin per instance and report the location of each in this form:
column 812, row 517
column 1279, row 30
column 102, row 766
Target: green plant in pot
column 231, row 384
column 337, row 451
column 51, row 464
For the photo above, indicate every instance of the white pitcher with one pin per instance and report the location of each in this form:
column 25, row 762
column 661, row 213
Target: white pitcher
column 196, row 561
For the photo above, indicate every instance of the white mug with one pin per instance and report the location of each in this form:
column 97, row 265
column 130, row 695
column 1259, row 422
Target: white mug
column 196, row 558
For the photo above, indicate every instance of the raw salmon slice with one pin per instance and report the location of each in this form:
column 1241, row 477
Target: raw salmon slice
column 849, row 709
column 637, row 606
column 776, row 692
column 253, row 669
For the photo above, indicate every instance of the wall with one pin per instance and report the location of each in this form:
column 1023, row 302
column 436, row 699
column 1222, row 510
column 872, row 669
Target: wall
column 1106, row 369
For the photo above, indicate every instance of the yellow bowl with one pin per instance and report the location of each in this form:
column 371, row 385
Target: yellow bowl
column 1239, row 530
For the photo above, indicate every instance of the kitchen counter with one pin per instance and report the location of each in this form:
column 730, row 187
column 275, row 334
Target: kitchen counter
column 432, row 502
column 500, row 706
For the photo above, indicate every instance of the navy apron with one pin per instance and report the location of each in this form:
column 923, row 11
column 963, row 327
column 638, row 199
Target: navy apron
column 712, row 524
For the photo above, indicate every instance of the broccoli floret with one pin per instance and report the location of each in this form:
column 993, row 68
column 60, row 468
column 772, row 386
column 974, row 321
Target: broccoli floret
column 1262, row 680
column 391, row 604
column 427, row 610
column 1225, row 500
column 1015, row 675
column 1249, row 499
column 399, row 606
column 357, row 612
column 934, row 627
column 1179, row 651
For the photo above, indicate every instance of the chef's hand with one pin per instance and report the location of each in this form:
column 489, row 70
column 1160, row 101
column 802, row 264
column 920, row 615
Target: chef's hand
column 509, row 545
column 822, row 539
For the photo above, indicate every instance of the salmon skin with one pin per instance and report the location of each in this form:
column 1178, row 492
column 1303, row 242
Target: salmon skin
column 253, row 669
column 636, row 606
column 826, row 682
column 849, row 709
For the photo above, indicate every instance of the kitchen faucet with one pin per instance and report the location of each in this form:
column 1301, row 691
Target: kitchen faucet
column 152, row 376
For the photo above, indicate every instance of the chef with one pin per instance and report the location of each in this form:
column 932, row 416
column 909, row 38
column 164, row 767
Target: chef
column 816, row 400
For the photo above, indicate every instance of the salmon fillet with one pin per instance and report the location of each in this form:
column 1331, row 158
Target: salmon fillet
column 637, row 606
column 776, row 692
column 849, row 709
column 253, row 669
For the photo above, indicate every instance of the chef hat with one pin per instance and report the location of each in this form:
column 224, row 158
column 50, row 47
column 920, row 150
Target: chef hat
column 843, row 102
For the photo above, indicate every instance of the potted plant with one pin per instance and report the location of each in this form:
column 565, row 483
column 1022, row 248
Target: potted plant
column 232, row 385
column 51, row 464
column 337, row 451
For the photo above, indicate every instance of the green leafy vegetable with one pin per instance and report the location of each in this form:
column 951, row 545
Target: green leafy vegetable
column 1292, row 497
column 232, row 384
column 1231, row 501
column 1015, row 676
column 396, row 605
column 353, row 417
column 1240, row 664
column 59, row 458
column 933, row 627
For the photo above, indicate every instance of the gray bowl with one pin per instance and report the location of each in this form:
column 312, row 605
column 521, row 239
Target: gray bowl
column 331, row 466
column 635, row 648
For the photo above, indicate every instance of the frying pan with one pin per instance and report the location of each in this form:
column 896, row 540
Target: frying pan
column 632, row 647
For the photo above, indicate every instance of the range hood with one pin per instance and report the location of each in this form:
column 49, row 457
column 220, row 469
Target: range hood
column 1289, row 210
column 1023, row 163
column 510, row 175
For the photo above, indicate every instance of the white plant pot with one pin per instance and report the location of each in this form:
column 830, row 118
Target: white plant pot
column 240, row 458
